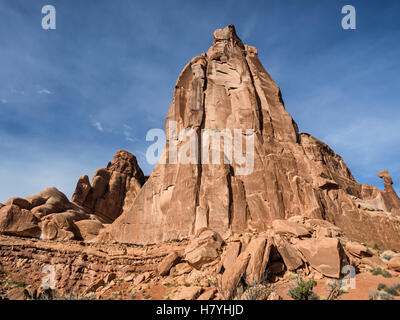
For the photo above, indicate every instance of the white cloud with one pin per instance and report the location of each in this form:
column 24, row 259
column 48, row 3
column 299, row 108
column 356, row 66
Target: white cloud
column 128, row 134
column 367, row 139
column 98, row 126
column 44, row 91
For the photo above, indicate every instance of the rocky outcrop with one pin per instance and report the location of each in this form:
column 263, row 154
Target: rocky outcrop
column 293, row 173
column 112, row 189
column 50, row 216
column 391, row 199
column 18, row 222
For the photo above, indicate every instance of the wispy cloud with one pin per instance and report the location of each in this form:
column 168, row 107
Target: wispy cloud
column 44, row 91
column 4, row 101
column 128, row 134
column 98, row 126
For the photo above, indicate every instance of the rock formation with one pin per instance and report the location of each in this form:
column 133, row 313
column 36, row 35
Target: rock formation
column 113, row 189
column 50, row 215
column 294, row 173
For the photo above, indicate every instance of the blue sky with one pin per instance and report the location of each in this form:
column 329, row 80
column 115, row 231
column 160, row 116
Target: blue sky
column 71, row 97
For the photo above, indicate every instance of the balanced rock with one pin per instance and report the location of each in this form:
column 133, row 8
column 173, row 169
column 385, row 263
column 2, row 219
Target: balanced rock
column 391, row 199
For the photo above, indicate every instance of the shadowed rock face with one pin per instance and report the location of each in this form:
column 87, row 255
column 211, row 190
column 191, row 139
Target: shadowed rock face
column 294, row 173
column 112, row 189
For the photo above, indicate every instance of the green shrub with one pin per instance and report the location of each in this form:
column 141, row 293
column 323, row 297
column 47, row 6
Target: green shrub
column 376, row 247
column 396, row 286
column 382, row 272
column 303, row 290
column 381, row 286
column 391, row 290
column 380, row 295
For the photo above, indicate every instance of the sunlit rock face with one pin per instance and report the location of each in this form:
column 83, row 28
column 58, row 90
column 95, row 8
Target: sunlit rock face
column 286, row 173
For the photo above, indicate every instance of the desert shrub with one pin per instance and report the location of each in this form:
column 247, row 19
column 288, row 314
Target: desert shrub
column 381, row 286
column 256, row 292
column 376, row 247
column 303, row 289
column 380, row 295
column 394, row 250
column 335, row 289
column 396, row 286
column 379, row 271
column 391, row 290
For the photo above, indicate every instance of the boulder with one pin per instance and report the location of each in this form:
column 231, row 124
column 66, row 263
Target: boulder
column 208, row 294
column 167, row 263
column 188, row 293
column 203, row 248
column 256, row 267
column 18, row 293
column 374, row 262
column 324, row 255
column 274, row 296
column 18, row 222
column 230, row 254
column 181, row 268
column 56, row 202
column 58, row 226
column 289, row 254
column 233, row 274
column 288, row 227
column 95, row 285
column 88, row 229
column 357, row 249
column 36, row 200
column 387, row 255
column 394, row 264
column 22, row 203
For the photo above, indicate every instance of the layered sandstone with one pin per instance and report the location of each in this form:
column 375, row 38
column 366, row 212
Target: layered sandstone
column 294, row 173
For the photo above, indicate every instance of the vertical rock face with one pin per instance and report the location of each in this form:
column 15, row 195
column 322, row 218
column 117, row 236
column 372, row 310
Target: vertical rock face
column 112, row 189
column 228, row 90
column 390, row 197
